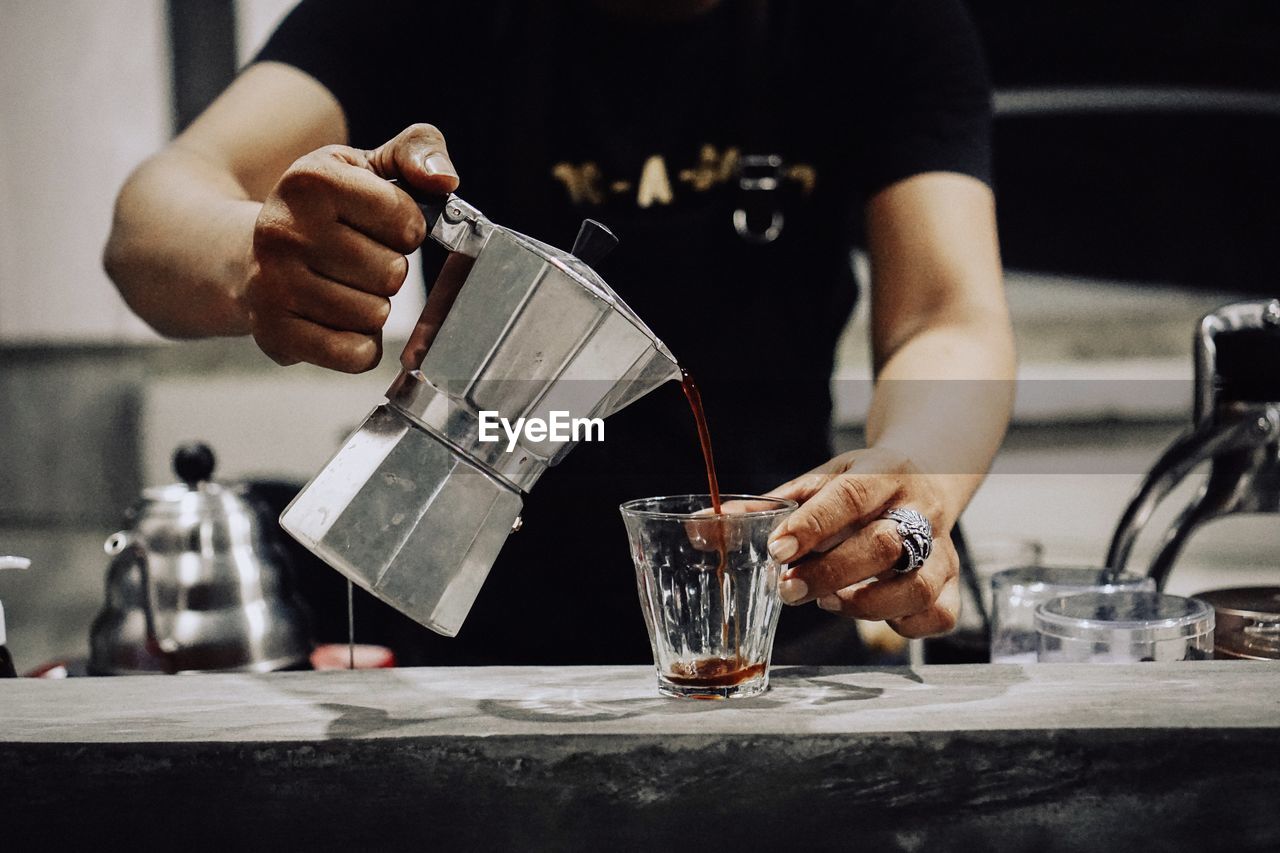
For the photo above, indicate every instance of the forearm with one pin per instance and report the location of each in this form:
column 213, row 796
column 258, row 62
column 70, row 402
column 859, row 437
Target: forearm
column 943, row 399
column 944, row 360
column 181, row 246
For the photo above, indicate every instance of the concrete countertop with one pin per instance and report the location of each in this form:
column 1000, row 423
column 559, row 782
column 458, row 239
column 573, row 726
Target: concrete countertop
column 1150, row 756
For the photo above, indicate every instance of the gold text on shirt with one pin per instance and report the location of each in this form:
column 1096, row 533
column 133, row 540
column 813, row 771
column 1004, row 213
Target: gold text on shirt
column 586, row 183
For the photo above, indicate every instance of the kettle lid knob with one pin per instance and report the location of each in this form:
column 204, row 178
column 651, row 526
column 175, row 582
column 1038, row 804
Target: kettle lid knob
column 193, row 463
column 593, row 243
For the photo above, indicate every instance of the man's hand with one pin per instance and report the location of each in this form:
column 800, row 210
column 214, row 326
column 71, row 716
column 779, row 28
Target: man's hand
column 329, row 248
column 838, row 540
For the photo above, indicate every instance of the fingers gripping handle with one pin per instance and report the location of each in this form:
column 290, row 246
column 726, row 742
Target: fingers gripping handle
column 451, row 222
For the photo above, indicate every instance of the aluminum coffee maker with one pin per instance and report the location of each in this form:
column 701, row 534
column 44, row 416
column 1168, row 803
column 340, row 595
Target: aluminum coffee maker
column 415, row 506
column 1236, row 429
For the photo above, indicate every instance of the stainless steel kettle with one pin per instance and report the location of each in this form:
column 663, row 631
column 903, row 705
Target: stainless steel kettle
column 196, row 583
column 416, row 504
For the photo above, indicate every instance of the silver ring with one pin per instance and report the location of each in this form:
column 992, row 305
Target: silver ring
column 917, row 538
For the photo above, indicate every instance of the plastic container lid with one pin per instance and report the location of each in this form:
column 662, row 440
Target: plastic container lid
column 1064, row 577
column 1143, row 617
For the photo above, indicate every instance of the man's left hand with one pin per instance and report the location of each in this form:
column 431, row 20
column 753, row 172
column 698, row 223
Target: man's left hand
column 842, row 551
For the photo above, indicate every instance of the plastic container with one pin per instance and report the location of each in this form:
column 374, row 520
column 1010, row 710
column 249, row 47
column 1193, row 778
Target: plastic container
column 1124, row 627
column 1016, row 593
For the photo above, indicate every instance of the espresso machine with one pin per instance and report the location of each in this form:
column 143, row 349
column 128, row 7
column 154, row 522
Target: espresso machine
column 1236, row 429
column 416, row 504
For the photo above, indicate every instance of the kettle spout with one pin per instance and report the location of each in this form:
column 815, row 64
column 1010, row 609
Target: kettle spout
column 655, row 367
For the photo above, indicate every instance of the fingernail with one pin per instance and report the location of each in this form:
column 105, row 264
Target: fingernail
column 829, row 602
column 438, row 164
column 784, row 548
column 793, row 590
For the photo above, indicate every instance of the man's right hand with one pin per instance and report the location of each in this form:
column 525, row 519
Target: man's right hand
column 329, row 248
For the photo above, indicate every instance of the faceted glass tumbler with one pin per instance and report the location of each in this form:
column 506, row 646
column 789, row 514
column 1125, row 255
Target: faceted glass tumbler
column 708, row 590
column 1016, row 593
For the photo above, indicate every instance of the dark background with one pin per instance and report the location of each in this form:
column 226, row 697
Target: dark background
column 1176, row 180
column 1169, row 177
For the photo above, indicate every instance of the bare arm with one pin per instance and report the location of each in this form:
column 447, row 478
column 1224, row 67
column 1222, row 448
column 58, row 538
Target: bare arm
column 181, row 242
column 260, row 220
column 943, row 348
column 941, row 337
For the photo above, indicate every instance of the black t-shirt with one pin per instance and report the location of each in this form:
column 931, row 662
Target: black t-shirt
column 556, row 111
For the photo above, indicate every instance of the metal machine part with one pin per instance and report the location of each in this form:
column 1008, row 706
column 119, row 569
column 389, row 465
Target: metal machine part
column 1247, row 625
column 195, row 583
column 1236, row 430
column 416, row 505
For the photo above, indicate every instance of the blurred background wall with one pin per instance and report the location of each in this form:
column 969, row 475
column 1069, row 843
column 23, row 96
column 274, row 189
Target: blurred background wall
column 88, row 89
column 84, row 99
column 1136, row 177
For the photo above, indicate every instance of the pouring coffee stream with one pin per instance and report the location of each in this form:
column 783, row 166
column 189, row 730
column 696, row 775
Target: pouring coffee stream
column 714, row 672
column 691, row 393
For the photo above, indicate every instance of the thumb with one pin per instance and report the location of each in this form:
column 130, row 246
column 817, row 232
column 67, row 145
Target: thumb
column 418, row 156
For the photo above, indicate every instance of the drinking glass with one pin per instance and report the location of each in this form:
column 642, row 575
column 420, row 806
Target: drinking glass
column 1124, row 627
column 708, row 590
column 1016, row 593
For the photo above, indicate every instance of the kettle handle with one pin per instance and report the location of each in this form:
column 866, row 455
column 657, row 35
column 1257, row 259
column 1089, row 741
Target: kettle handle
column 451, row 222
column 119, row 543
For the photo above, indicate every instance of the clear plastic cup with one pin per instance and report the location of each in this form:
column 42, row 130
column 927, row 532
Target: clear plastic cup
column 1016, row 593
column 989, row 557
column 709, row 590
column 1124, row 627
column 970, row 642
